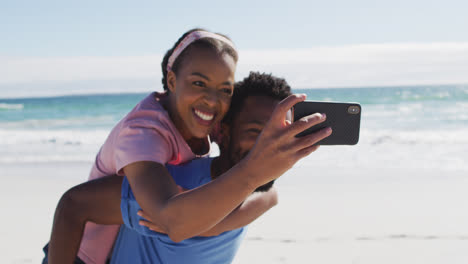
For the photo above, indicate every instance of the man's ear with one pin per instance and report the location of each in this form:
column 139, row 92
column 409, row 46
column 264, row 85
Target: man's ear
column 171, row 81
column 225, row 136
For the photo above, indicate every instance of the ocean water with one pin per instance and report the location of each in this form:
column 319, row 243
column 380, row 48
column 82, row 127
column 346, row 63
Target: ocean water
column 420, row 127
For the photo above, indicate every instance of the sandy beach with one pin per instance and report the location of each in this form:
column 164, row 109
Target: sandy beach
column 360, row 216
column 30, row 193
column 386, row 218
column 70, row 71
column 398, row 196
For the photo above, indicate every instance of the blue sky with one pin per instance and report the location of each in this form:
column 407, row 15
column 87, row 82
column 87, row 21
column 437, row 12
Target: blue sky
column 49, row 36
column 58, row 28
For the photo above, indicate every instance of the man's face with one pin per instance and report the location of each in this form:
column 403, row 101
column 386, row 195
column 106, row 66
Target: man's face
column 248, row 124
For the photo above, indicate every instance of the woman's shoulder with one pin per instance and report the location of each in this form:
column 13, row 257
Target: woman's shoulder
column 150, row 113
column 149, row 125
column 153, row 101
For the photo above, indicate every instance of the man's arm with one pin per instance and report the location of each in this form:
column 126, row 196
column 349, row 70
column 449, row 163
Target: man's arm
column 252, row 208
column 97, row 201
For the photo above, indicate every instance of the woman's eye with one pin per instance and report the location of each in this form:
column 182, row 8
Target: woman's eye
column 227, row 91
column 254, row 131
column 199, row 83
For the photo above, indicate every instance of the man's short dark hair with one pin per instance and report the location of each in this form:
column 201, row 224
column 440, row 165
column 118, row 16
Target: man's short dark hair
column 260, row 84
column 257, row 84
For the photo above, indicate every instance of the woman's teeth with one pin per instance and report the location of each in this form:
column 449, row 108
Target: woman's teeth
column 204, row 116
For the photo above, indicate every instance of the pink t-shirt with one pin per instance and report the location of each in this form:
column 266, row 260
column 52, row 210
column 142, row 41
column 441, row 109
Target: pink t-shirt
column 145, row 134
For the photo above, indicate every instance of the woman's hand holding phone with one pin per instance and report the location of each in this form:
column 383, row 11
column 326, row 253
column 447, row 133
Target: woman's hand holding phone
column 277, row 148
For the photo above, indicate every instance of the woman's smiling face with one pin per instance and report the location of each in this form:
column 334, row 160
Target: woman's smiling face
column 200, row 93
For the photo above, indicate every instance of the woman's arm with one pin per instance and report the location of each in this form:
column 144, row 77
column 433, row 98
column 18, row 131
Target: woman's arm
column 252, row 208
column 187, row 214
column 181, row 216
column 97, row 201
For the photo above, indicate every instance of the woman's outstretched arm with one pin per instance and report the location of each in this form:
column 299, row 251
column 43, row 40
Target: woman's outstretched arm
column 253, row 207
column 193, row 212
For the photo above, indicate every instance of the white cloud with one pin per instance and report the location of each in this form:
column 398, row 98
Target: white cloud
column 365, row 65
column 340, row 66
column 33, row 69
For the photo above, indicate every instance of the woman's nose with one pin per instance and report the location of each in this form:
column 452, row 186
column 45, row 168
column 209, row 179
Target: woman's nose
column 211, row 97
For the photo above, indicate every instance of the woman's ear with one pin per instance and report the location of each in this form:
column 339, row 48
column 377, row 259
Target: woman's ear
column 171, row 81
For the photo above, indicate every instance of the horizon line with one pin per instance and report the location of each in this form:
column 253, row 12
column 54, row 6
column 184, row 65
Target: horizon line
column 103, row 93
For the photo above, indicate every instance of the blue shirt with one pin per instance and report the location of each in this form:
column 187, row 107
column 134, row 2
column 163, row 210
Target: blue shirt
column 138, row 244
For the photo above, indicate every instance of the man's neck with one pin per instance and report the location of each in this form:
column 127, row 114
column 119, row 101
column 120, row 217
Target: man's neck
column 199, row 146
column 219, row 165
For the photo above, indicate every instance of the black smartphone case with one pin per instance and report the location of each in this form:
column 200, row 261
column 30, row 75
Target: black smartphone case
column 343, row 118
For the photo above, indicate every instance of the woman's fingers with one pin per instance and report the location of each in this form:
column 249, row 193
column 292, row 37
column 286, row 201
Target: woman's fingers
column 277, row 149
column 306, row 151
column 150, row 226
column 284, row 106
column 306, row 142
column 142, row 214
column 304, row 123
column 147, row 223
column 144, row 223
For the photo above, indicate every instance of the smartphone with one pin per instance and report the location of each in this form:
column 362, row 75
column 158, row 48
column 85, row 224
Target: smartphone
column 343, row 118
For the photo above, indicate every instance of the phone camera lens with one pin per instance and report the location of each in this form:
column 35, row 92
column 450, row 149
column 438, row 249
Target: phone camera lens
column 353, row 109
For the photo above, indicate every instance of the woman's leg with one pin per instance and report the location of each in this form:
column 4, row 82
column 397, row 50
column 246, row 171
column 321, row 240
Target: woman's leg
column 97, row 201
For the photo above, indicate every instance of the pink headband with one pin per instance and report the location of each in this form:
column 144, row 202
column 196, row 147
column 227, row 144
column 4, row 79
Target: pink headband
column 189, row 39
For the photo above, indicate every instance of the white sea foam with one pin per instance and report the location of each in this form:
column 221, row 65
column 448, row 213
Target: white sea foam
column 50, row 145
column 78, row 122
column 442, row 95
column 4, row 106
column 436, row 136
column 55, row 137
column 409, row 108
column 391, row 149
column 416, row 116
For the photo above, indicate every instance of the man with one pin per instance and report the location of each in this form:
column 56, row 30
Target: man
column 252, row 104
column 251, row 107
